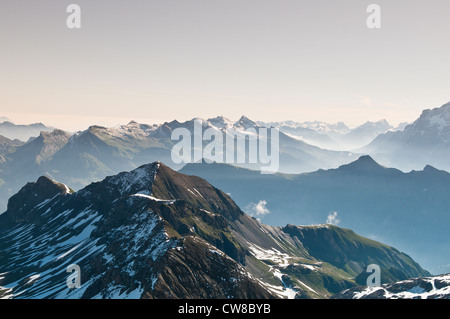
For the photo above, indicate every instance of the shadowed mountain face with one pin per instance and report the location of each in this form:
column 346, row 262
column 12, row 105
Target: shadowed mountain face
column 407, row 210
column 31, row 195
column 156, row 233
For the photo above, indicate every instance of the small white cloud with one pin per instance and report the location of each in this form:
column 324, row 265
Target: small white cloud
column 332, row 219
column 258, row 210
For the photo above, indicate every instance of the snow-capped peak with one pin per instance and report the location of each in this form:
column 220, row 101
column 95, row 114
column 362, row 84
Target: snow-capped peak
column 244, row 122
column 220, row 122
column 432, row 123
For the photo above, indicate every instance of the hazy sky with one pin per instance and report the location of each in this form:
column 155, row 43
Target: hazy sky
column 271, row 60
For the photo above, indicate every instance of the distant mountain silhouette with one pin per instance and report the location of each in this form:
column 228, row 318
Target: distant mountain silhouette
column 22, row 132
column 424, row 142
column 406, row 210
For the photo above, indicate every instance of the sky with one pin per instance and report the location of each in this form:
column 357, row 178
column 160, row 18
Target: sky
column 271, row 60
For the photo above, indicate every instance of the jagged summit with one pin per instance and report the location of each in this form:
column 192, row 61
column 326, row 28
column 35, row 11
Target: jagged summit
column 33, row 194
column 445, row 107
column 154, row 180
column 93, row 128
column 174, row 122
column 432, row 120
column 245, row 122
column 425, row 141
column 220, row 122
column 46, row 183
column 139, row 180
column 56, row 133
column 6, row 143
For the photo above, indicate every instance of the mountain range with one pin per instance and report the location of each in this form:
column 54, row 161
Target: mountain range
column 155, row 233
column 336, row 136
column 21, row 132
column 87, row 156
column 81, row 158
column 424, row 142
column 406, row 210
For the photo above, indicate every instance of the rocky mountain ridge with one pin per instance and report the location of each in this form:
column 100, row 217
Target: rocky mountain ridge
column 156, row 233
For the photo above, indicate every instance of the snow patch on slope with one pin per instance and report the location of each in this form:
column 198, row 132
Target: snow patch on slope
column 165, row 201
column 440, row 287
